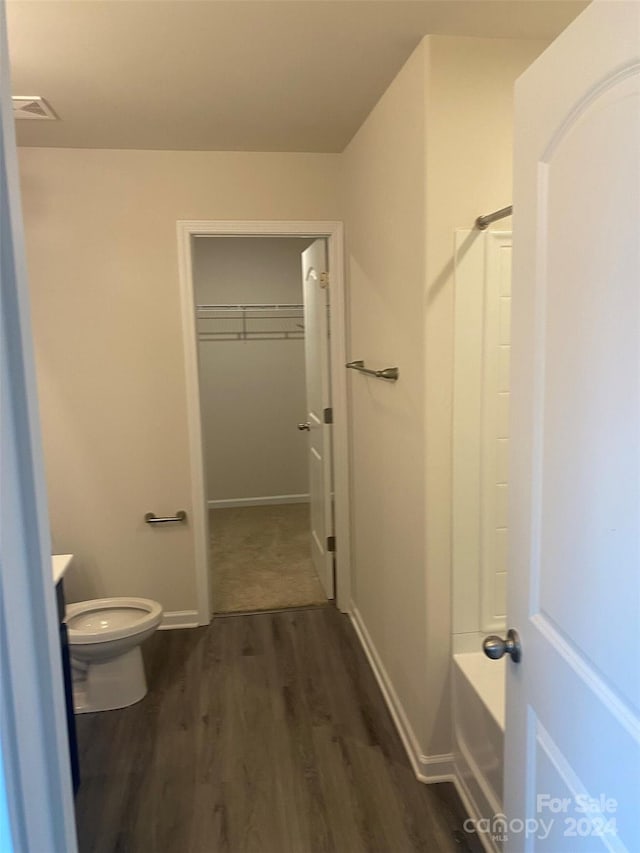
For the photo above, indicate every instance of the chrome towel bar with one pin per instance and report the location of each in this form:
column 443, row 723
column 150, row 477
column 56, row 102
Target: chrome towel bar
column 390, row 373
column 151, row 518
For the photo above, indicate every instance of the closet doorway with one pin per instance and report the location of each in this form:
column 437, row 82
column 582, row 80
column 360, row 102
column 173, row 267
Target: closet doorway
column 264, row 340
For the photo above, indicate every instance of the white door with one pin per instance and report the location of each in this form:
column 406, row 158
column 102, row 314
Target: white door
column 36, row 795
column 316, row 337
column 573, row 703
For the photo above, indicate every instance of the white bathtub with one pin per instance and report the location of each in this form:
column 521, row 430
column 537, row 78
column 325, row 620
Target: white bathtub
column 478, row 714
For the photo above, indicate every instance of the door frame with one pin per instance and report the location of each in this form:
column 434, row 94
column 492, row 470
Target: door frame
column 333, row 232
column 36, row 795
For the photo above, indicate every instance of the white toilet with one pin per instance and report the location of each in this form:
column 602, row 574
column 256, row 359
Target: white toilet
column 104, row 643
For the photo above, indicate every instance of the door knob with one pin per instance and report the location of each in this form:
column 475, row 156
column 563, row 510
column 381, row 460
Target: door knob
column 304, row 427
column 495, row 647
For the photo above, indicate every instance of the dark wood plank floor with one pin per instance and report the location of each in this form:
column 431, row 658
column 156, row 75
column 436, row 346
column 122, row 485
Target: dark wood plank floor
column 262, row 733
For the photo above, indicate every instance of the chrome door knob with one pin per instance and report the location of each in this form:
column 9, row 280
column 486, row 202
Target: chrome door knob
column 303, row 427
column 495, row 647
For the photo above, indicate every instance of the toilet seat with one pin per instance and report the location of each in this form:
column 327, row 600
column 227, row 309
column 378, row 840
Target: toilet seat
column 105, row 619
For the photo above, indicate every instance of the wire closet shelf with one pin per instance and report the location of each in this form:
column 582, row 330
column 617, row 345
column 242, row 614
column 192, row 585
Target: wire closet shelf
column 250, row 321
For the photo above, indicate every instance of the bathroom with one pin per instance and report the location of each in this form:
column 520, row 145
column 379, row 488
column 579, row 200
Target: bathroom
column 390, row 504
column 140, row 414
column 406, row 185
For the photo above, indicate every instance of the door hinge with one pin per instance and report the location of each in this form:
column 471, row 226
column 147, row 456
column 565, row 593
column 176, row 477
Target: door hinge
column 331, row 544
column 328, row 416
column 324, row 279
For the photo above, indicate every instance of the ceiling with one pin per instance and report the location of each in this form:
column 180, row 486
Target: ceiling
column 251, row 75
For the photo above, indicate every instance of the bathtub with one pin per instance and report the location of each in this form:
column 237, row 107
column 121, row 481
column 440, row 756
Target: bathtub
column 478, row 715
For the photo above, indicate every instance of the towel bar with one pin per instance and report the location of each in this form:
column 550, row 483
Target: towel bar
column 151, row 518
column 390, row 373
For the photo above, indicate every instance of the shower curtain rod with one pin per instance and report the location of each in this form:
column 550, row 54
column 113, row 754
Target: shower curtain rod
column 483, row 222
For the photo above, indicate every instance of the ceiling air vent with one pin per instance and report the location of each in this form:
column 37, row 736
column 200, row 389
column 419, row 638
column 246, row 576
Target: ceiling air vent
column 32, row 108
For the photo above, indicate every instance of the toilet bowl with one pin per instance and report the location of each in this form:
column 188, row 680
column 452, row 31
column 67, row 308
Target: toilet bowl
column 104, row 643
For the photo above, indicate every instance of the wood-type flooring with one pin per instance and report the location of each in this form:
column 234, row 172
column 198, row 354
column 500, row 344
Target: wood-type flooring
column 264, row 733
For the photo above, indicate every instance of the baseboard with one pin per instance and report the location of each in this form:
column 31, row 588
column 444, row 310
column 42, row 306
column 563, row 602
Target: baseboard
column 436, row 768
column 263, row 501
column 427, row 768
column 467, row 802
column 466, row 768
column 179, row 619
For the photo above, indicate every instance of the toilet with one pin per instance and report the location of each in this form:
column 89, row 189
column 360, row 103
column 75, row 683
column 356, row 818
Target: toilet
column 105, row 636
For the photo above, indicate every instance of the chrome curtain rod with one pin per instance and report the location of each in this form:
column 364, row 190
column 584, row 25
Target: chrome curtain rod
column 483, row 222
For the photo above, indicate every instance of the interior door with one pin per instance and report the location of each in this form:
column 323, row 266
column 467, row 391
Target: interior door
column 36, row 794
column 316, row 325
column 573, row 702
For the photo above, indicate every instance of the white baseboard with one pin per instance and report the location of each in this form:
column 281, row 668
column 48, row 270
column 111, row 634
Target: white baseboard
column 477, row 797
column 179, row 619
column 436, row 768
column 263, row 501
column 467, row 802
column 427, row 768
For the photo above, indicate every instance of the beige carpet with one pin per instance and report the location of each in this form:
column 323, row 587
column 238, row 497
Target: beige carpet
column 261, row 559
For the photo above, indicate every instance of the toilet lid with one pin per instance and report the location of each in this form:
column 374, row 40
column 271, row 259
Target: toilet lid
column 110, row 619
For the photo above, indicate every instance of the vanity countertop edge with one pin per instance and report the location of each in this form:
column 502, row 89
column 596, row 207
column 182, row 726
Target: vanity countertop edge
column 59, row 565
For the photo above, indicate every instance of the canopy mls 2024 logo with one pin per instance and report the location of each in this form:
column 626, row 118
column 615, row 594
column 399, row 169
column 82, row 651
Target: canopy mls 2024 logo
column 581, row 816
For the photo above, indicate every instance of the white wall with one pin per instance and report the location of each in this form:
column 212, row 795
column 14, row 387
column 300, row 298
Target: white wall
column 384, row 179
column 252, row 391
column 102, row 258
column 434, row 153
